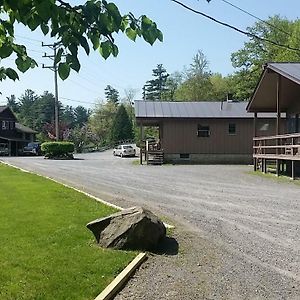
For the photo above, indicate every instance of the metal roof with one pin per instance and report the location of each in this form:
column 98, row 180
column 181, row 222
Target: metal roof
column 288, row 69
column 158, row 109
column 264, row 98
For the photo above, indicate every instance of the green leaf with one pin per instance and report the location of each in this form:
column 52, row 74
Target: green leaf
column 105, row 49
column 58, row 55
column 44, row 10
column 115, row 50
column 84, row 44
column 24, row 64
column 160, row 35
column 73, row 62
column 34, row 22
column 44, row 28
column 6, row 50
column 131, row 33
column 63, row 70
column 12, row 74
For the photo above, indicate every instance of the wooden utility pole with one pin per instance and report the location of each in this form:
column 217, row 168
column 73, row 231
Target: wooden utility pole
column 54, row 69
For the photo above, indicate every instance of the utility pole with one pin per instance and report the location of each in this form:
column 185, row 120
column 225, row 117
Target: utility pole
column 54, row 69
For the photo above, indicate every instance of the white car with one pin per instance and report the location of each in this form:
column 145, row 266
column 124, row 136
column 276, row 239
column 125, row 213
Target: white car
column 124, row 150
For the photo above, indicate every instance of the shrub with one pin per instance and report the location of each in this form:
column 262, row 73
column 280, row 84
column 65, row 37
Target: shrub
column 58, row 149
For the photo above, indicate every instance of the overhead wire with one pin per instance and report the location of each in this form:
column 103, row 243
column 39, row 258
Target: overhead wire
column 247, row 33
column 256, row 17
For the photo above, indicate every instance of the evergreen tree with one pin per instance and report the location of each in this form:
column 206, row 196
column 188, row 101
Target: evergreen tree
column 111, row 94
column 153, row 89
column 12, row 103
column 122, row 126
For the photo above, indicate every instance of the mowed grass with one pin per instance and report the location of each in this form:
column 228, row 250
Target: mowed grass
column 46, row 252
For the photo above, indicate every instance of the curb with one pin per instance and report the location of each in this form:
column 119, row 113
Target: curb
column 112, row 289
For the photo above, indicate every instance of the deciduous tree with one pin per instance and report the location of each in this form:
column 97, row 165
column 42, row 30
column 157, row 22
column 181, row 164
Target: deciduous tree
column 94, row 22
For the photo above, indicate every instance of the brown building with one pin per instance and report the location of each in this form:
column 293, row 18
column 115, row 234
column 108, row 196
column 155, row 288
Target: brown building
column 204, row 132
column 13, row 135
column 278, row 92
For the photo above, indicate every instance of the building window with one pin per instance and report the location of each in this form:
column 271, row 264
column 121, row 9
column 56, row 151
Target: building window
column 232, row 128
column 203, row 131
column 11, row 125
column 4, row 125
column 264, row 127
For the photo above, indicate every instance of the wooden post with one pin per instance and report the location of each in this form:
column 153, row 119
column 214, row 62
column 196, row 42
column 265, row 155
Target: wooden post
column 278, row 104
column 9, row 148
column 293, row 170
column 278, row 125
column 255, row 125
column 141, row 143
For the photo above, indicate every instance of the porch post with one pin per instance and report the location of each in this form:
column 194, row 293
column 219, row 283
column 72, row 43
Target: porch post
column 9, row 148
column 254, row 142
column 278, row 125
column 278, row 104
column 141, row 143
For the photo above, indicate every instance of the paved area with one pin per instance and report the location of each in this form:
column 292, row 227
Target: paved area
column 238, row 234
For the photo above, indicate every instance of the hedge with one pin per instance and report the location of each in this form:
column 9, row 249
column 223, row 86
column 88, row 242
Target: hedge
column 58, row 149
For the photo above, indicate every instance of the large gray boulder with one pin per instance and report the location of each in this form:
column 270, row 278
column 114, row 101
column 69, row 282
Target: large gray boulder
column 135, row 228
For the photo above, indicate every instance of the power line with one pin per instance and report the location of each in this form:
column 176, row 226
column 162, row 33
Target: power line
column 79, row 101
column 249, row 34
column 27, row 38
column 255, row 17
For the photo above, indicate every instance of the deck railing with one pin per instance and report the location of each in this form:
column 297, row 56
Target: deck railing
column 285, row 146
column 284, row 150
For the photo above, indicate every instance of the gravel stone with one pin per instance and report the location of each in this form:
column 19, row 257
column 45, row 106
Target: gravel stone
column 237, row 234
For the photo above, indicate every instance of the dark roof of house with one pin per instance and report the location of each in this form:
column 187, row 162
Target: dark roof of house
column 204, row 109
column 24, row 129
column 2, row 108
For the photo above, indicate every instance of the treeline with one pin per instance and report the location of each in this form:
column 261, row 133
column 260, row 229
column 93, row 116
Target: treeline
column 113, row 120
column 106, row 124
column 197, row 83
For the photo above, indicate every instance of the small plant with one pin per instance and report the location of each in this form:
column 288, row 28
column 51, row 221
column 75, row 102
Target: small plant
column 58, row 150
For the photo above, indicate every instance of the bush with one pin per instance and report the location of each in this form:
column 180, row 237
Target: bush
column 58, row 149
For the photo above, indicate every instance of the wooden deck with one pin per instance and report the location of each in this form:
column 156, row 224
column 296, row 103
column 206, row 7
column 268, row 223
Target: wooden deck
column 283, row 149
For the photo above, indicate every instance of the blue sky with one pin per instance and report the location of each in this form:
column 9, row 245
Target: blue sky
column 184, row 33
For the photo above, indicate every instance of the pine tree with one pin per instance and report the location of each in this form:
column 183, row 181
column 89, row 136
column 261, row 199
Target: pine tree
column 122, row 126
column 111, row 94
column 153, row 89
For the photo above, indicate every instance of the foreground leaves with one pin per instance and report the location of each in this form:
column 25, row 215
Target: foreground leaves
column 92, row 24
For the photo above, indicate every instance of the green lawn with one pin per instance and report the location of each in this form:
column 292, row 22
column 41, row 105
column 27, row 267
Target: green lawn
column 46, row 252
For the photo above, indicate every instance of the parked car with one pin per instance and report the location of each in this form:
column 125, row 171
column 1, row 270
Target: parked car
column 33, row 148
column 3, row 149
column 124, row 150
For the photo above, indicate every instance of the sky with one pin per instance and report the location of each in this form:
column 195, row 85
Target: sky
column 184, row 34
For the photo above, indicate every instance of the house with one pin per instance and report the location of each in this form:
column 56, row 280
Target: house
column 278, row 92
column 203, row 132
column 13, row 135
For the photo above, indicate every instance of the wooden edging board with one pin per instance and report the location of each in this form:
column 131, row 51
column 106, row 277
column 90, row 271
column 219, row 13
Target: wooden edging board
column 113, row 288
column 120, row 280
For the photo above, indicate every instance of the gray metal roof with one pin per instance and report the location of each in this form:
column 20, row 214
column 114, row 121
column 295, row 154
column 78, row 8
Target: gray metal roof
column 289, row 70
column 157, row 109
column 2, row 108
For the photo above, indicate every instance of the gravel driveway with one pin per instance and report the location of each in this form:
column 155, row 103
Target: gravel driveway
column 238, row 234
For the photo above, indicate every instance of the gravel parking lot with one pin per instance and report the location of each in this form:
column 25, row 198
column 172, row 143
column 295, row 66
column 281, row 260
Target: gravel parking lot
column 238, row 234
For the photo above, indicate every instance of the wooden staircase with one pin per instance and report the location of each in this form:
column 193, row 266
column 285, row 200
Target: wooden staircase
column 155, row 157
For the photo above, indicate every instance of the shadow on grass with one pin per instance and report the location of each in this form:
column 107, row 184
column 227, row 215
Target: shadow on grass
column 168, row 246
